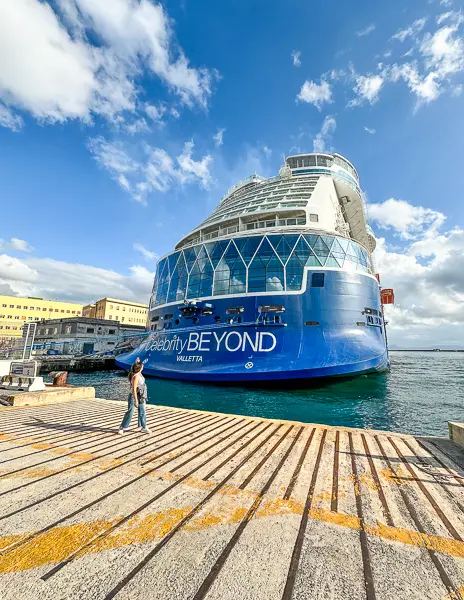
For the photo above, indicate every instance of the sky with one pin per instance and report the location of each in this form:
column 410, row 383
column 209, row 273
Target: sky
column 123, row 122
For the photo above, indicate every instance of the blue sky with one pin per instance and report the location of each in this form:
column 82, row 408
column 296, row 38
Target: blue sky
column 123, row 123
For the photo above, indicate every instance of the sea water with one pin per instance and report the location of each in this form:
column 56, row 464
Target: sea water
column 422, row 391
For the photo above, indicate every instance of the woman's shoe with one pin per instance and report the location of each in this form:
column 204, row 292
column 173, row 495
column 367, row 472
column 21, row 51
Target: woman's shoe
column 121, row 431
column 145, row 430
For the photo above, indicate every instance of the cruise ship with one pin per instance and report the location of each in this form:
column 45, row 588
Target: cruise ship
column 277, row 284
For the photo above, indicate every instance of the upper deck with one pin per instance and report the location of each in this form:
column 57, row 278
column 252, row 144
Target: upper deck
column 313, row 192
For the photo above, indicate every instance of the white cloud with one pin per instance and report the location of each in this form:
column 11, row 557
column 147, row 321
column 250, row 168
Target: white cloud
column 366, row 31
column 325, row 135
column 443, row 51
column 147, row 254
column 296, row 58
column 156, row 113
column 315, row 94
column 51, row 67
column 218, row 138
column 369, row 130
column 408, row 221
column 367, row 88
column 267, row 151
column 410, row 31
column 15, row 244
column 53, row 279
column 429, row 290
column 9, row 119
column 113, row 157
column 191, row 170
column 155, row 171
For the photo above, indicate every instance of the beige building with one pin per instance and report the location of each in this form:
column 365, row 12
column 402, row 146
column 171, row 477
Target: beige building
column 129, row 313
column 15, row 311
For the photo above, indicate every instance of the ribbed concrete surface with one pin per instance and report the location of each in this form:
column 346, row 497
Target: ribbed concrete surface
column 223, row 507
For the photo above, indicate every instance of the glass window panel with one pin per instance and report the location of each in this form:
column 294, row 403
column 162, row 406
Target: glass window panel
column 172, row 294
column 344, row 243
column 256, row 284
column 313, row 261
column 190, row 255
column 328, row 240
column 218, row 251
column 294, row 263
column 320, row 248
column 206, row 285
column 337, row 250
column 265, row 251
column 275, row 280
column 172, row 260
column 193, row 290
column 248, row 247
column 294, row 278
column 352, row 250
column 331, row 262
column 311, row 239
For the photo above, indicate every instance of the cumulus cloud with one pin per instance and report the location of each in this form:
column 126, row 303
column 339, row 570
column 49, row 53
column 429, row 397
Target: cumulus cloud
column 367, row 88
column 429, row 290
column 155, row 171
column 316, row 94
column 366, row 31
column 324, row 136
column 296, row 58
column 218, row 138
column 51, row 67
column 407, row 221
column 48, row 278
column 369, row 130
column 15, row 244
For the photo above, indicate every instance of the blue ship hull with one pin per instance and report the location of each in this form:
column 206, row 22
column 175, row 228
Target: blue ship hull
column 323, row 332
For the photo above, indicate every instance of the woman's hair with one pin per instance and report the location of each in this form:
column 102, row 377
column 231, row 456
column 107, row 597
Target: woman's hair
column 136, row 368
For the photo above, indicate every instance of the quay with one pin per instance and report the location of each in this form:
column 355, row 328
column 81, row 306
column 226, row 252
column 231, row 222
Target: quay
column 215, row 506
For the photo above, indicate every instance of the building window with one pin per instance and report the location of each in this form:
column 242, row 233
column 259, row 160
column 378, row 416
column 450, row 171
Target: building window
column 9, row 316
column 4, row 305
column 111, row 331
column 314, row 218
column 317, row 280
column 17, row 318
column 18, row 306
column 90, row 330
column 11, row 305
column 44, row 309
column 32, row 308
column 56, row 310
column 25, row 307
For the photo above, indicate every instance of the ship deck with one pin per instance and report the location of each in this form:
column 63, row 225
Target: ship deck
column 223, row 507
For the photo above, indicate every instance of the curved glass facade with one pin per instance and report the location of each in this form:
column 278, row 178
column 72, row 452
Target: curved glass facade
column 268, row 263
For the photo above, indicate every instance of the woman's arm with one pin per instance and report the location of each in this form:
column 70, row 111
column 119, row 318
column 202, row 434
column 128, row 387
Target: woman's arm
column 134, row 390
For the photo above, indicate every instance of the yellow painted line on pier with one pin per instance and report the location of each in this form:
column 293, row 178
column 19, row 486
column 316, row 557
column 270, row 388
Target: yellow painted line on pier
column 58, row 543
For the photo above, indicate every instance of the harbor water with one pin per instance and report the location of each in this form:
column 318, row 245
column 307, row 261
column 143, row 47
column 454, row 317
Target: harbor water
column 419, row 395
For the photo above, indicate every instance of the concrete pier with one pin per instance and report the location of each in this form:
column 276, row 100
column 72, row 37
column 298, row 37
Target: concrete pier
column 223, row 507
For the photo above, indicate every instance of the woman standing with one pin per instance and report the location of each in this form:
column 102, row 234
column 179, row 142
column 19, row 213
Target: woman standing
column 138, row 398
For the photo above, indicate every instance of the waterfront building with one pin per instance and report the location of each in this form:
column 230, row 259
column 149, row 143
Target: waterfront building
column 15, row 311
column 132, row 313
column 81, row 335
column 278, row 283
